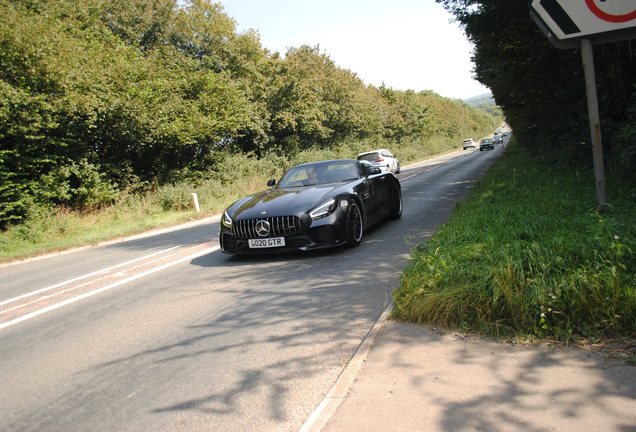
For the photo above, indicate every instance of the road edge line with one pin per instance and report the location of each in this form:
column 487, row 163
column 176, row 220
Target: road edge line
column 125, row 238
column 106, row 288
column 321, row 415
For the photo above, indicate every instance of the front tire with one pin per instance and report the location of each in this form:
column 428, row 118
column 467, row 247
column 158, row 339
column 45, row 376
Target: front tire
column 354, row 224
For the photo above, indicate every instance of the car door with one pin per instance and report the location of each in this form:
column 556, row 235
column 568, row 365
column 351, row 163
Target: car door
column 379, row 188
column 366, row 189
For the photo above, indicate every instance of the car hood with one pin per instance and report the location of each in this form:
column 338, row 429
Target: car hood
column 284, row 202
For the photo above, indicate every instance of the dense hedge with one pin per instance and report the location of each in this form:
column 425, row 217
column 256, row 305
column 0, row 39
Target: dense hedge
column 541, row 89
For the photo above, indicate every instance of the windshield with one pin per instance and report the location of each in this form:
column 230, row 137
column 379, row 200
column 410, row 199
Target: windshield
column 320, row 173
column 369, row 157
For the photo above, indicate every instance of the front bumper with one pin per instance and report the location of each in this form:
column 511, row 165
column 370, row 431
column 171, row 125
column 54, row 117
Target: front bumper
column 322, row 233
column 315, row 238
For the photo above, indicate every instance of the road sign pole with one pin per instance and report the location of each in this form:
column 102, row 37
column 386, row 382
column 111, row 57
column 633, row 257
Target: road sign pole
column 587, row 54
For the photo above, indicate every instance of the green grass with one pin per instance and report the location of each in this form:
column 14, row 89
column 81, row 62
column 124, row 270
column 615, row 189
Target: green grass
column 51, row 231
column 528, row 256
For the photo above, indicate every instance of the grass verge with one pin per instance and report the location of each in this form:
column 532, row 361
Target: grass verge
column 528, row 256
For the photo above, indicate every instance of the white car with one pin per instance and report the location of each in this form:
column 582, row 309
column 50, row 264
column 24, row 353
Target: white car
column 381, row 158
column 469, row 143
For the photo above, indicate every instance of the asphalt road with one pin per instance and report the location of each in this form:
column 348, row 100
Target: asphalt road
column 164, row 332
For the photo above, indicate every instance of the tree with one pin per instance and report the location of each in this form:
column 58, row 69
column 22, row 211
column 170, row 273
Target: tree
column 98, row 93
column 541, row 89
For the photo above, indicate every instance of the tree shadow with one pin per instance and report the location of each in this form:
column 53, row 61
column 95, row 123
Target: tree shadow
column 483, row 384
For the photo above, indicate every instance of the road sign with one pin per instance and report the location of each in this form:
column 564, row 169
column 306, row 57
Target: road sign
column 580, row 24
column 567, row 21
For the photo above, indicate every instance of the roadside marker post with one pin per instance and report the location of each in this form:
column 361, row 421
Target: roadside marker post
column 195, row 202
column 582, row 24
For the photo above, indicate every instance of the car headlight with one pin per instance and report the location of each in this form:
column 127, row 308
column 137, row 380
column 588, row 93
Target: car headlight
column 226, row 219
column 324, row 210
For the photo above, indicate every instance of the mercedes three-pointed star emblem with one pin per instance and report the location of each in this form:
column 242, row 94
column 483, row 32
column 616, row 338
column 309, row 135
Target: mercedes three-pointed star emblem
column 262, row 228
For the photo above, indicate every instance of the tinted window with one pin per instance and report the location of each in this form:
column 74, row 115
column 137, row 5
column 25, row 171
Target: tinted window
column 326, row 172
column 369, row 157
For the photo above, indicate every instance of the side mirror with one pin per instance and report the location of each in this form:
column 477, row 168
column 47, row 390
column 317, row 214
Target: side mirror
column 375, row 170
column 271, row 183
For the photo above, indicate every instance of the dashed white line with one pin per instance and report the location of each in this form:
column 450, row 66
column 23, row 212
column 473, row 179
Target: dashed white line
column 116, row 284
column 85, row 276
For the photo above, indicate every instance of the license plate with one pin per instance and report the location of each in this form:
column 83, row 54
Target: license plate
column 267, row 242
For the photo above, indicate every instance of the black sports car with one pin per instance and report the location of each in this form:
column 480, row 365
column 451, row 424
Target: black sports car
column 313, row 206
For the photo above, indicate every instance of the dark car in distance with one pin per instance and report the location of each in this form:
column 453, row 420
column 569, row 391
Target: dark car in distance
column 486, row 143
column 313, row 206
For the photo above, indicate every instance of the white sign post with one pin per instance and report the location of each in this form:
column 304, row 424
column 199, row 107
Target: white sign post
column 582, row 23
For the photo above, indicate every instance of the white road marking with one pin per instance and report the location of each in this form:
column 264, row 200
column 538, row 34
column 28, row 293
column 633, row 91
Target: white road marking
column 116, row 284
column 85, row 276
column 92, row 281
column 321, row 415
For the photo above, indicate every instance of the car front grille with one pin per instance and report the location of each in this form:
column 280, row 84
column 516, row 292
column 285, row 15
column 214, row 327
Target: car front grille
column 279, row 227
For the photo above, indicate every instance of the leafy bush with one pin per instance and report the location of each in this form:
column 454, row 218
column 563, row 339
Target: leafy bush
column 79, row 186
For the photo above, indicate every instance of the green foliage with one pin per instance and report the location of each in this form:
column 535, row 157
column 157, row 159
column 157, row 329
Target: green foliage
column 622, row 151
column 238, row 167
column 527, row 255
column 69, row 89
column 541, row 89
column 76, row 185
column 110, row 97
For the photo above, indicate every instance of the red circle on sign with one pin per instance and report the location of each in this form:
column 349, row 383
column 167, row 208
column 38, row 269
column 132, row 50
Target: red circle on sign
column 609, row 17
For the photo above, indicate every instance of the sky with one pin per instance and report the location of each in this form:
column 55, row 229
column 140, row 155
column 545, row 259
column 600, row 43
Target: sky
column 405, row 44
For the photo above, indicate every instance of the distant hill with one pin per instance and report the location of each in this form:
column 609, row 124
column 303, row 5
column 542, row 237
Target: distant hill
column 485, row 102
column 476, row 100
